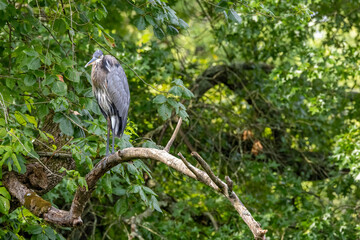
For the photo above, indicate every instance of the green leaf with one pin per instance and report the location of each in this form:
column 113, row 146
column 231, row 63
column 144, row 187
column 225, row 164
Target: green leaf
column 3, row 132
column 41, row 236
column 31, row 119
column 140, row 23
column 50, row 233
column 4, row 192
column 121, row 206
column 142, row 195
column 4, row 205
column 59, row 88
column 66, row 127
column 154, row 204
column 172, row 30
column 119, row 191
column 150, row 20
column 73, row 75
column 173, row 103
column 3, row 5
column 176, row 90
column 178, row 82
column 20, row 119
column 234, row 16
column 31, row 53
column 34, row 64
column 10, row 83
column 221, row 6
column 60, row 25
column 107, row 184
column 16, row 162
column 148, row 190
column 159, row 33
column 34, row 229
column 164, row 111
column 183, row 24
column 139, row 11
column 29, row 80
column 187, row 93
column 43, row 110
column 159, row 99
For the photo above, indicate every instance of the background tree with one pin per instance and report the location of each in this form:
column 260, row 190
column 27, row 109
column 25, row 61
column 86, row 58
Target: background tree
column 268, row 91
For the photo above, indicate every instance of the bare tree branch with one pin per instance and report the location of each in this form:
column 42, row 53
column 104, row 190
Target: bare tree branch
column 168, row 145
column 207, row 169
column 72, row 218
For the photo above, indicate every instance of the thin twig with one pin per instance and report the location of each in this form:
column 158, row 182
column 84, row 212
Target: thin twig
column 168, row 145
column 191, row 168
column 71, row 36
column 208, row 170
column 10, row 48
column 54, row 37
column 55, row 154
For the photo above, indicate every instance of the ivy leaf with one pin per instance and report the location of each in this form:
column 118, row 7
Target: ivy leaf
column 164, row 111
column 234, row 16
column 121, row 206
column 159, row 33
column 140, row 23
column 159, row 99
column 66, row 126
column 176, row 90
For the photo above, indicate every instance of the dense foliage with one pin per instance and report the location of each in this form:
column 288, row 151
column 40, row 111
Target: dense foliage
column 268, row 90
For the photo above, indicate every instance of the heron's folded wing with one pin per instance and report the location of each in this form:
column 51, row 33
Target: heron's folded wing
column 118, row 89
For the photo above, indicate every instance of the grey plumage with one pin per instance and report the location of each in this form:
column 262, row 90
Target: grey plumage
column 111, row 90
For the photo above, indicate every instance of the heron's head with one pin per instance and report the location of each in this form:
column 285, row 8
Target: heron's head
column 97, row 57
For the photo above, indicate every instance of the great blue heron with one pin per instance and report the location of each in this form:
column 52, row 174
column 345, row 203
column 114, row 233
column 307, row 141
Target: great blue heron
column 111, row 90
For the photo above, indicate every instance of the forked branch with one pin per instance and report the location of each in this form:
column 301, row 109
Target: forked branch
column 72, row 218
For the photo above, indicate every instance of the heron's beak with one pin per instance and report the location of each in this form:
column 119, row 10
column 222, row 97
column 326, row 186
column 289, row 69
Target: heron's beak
column 91, row 62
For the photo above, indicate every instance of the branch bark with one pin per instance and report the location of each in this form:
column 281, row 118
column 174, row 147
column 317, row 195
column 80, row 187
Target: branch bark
column 73, row 217
column 168, row 145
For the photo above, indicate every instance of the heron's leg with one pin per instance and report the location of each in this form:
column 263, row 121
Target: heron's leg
column 113, row 140
column 108, row 136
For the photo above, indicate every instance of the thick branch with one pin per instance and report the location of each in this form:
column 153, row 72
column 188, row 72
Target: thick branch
column 73, row 217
